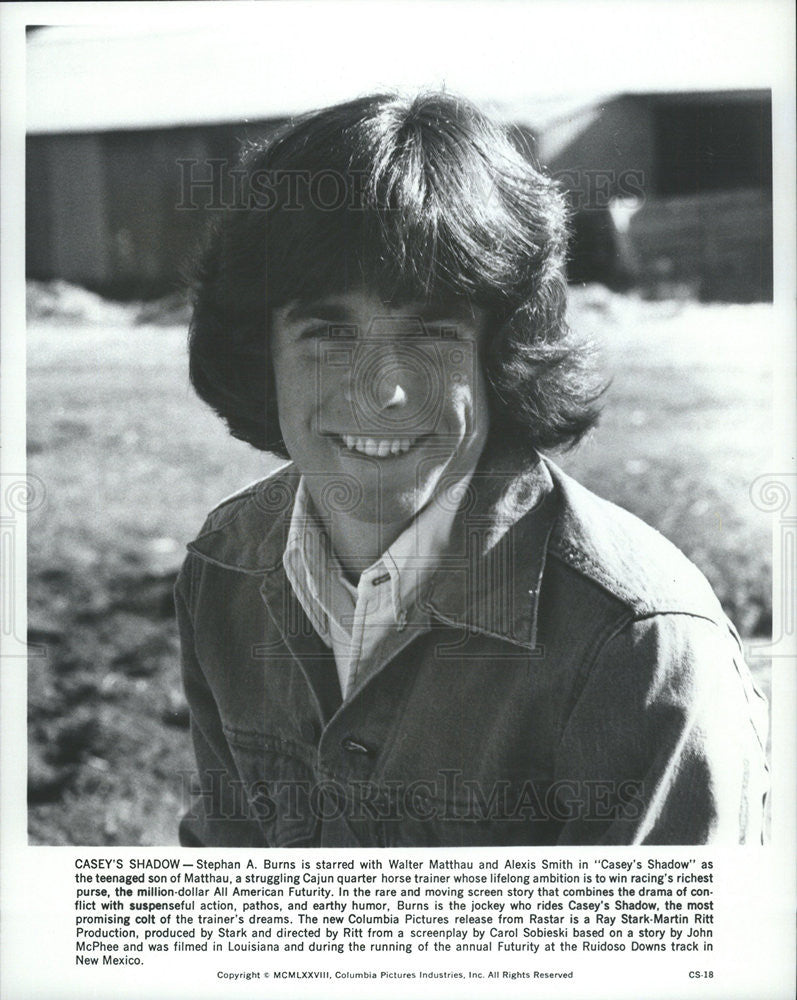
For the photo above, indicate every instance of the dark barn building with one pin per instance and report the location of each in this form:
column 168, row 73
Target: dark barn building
column 670, row 189
column 110, row 211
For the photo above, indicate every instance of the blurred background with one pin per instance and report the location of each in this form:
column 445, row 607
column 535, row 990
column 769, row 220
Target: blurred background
column 671, row 271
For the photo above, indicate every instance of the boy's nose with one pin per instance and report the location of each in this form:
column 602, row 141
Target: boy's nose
column 392, row 394
column 391, row 386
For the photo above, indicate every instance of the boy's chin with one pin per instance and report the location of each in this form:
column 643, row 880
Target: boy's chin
column 395, row 509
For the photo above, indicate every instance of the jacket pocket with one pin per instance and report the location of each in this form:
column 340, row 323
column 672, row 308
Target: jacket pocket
column 278, row 785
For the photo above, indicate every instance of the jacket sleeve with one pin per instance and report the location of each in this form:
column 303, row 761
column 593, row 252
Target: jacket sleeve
column 665, row 741
column 219, row 813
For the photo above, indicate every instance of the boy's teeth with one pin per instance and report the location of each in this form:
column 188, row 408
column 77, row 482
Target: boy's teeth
column 380, row 448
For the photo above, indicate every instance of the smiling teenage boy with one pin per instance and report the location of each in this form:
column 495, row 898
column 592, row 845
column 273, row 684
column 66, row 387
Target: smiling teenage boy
column 420, row 631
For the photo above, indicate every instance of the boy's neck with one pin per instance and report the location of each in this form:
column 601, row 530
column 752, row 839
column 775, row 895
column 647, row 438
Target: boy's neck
column 358, row 544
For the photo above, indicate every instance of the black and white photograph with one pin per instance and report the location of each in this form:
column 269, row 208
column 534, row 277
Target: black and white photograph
column 402, row 462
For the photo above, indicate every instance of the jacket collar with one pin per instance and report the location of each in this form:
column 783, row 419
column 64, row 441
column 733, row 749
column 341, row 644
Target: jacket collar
column 248, row 531
column 489, row 576
column 490, row 580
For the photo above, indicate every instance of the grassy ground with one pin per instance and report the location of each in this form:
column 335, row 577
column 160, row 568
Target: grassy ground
column 132, row 461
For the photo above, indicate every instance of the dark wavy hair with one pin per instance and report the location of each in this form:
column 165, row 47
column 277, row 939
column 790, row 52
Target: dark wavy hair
column 419, row 199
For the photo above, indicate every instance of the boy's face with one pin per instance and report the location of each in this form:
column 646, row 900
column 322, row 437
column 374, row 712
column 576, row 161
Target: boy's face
column 379, row 404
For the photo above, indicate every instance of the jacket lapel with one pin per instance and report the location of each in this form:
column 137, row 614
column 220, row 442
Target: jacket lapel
column 489, row 580
column 314, row 658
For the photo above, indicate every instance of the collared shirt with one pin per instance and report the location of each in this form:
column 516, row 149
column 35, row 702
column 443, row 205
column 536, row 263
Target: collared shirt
column 362, row 623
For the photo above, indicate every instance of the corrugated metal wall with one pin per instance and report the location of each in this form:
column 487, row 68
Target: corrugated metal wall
column 717, row 244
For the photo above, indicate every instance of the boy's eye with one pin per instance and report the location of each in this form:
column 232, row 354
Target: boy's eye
column 331, row 331
column 313, row 332
column 342, row 331
column 442, row 331
column 414, row 331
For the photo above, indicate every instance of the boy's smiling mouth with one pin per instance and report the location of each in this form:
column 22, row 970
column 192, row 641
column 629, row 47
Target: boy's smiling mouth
column 378, row 447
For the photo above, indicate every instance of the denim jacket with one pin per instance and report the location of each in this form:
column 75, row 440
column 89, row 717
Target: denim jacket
column 567, row 677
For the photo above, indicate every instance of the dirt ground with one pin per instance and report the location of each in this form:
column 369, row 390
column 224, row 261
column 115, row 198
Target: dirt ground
column 131, row 462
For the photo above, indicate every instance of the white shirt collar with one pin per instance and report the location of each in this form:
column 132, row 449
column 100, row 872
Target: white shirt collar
column 310, row 561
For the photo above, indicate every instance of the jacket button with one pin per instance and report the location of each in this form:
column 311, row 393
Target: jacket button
column 353, row 746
